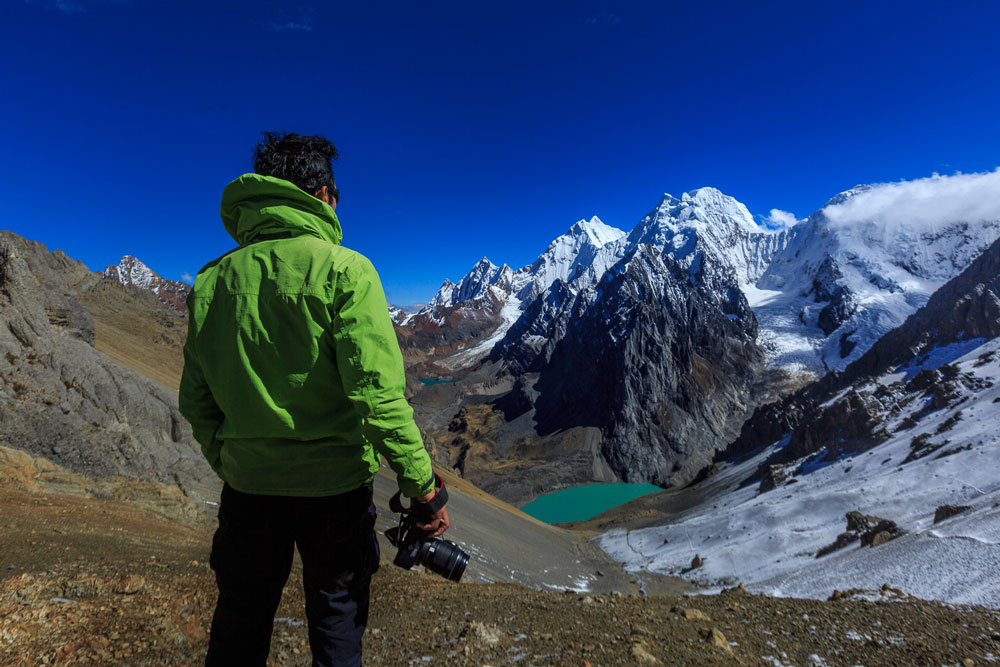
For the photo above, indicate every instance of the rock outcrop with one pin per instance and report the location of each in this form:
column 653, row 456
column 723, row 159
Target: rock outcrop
column 62, row 399
column 870, row 531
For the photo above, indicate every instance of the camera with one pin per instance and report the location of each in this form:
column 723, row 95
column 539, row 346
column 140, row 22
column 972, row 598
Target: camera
column 442, row 557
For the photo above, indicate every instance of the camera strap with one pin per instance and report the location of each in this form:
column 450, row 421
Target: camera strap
column 439, row 500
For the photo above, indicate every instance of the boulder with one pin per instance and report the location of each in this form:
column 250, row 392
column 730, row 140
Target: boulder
column 880, row 538
column 871, row 530
column 880, row 533
column 775, row 476
column 948, row 511
column 715, row 638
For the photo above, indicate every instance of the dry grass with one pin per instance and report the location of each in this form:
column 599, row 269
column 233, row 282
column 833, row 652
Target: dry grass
column 137, row 331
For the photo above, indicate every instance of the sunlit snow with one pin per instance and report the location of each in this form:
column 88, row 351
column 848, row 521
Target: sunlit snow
column 768, row 541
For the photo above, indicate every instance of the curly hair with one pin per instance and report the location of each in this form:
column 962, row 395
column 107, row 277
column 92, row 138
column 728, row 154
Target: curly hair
column 305, row 161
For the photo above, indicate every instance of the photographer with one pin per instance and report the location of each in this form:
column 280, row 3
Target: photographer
column 293, row 384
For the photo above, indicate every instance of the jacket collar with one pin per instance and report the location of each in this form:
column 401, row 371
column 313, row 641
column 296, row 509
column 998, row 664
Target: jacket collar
column 253, row 205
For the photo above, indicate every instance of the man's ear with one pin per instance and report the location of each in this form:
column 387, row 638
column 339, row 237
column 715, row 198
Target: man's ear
column 324, row 195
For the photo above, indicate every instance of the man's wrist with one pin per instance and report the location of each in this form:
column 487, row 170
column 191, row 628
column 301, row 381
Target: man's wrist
column 433, row 501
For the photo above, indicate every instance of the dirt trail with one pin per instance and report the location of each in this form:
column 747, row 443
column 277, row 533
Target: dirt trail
column 101, row 581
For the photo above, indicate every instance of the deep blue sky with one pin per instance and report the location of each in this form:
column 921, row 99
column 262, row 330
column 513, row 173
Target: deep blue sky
column 473, row 128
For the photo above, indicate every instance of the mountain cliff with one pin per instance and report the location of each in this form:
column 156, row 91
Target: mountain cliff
column 659, row 366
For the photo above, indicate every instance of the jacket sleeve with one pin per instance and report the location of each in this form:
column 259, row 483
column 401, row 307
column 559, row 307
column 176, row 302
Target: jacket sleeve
column 371, row 369
column 196, row 402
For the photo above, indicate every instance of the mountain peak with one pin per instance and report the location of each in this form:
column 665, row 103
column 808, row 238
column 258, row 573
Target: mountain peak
column 132, row 271
column 847, row 194
column 706, row 193
column 703, row 211
column 596, row 230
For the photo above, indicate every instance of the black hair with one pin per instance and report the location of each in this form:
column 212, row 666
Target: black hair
column 305, row 161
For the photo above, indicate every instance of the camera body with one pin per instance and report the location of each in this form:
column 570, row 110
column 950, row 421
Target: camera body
column 443, row 557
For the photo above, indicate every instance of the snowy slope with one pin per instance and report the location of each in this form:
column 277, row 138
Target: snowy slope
column 863, row 263
column 768, row 540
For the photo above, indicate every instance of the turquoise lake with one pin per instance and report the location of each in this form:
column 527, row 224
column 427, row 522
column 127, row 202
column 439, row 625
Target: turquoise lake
column 430, row 382
column 580, row 503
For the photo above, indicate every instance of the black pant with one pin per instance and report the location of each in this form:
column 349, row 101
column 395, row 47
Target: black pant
column 252, row 556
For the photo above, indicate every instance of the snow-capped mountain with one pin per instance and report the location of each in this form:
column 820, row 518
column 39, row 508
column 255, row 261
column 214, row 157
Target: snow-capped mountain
column 662, row 366
column 593, row 317
column 848, row 275
column 579, row 257
column 823, row 291
column 575, row 254
column 709, row 234
column 484, row 278
column 904, row 440
column 131, row 271
column 707, row 226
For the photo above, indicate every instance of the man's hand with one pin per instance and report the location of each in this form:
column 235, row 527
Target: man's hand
column 438, row 522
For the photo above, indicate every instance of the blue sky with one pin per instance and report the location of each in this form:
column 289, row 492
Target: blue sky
column 472, row 128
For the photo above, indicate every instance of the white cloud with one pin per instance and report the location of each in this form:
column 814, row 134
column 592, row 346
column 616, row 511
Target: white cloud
column 188, row 278
column 922, row 205
column 779, row 219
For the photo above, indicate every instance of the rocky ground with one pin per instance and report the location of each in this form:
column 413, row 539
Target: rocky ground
column 89, row 580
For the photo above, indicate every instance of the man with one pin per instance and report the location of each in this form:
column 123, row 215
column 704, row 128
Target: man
column 293, row 384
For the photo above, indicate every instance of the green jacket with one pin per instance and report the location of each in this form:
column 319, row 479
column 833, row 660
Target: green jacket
column 293, row 379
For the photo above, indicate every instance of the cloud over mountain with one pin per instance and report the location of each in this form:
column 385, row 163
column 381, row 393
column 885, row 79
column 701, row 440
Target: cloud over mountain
column 922, row 205
column 778, row 219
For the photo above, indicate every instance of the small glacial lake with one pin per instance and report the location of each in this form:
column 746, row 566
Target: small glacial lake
column 430, row 382
column 580, row 503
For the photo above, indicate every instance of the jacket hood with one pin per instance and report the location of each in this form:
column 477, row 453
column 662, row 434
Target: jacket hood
column 253, row 205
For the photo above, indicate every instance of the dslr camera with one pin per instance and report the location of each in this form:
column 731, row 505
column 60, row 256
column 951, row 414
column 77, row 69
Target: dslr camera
column 443, row 557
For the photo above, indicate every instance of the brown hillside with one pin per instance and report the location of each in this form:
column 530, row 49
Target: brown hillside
column 137, row 330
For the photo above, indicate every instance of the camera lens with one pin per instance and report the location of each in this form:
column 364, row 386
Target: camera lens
column 444, row 557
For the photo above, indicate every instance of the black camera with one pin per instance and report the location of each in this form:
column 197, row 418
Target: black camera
column 443, row 557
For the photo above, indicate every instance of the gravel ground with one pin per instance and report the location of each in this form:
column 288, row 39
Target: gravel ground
column 88, row 581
